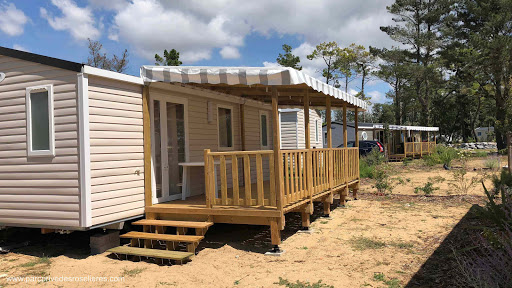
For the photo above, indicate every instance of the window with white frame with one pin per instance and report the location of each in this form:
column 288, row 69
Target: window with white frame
column 40, row 122
column 264, row 129
column 225, row 123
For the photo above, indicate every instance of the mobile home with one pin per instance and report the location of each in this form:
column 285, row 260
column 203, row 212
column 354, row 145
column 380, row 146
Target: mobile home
column 185, row 147
column 292, row 129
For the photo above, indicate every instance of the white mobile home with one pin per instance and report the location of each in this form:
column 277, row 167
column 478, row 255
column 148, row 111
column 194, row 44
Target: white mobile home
column 71, row 145
column 292, row 129
column 82, row 147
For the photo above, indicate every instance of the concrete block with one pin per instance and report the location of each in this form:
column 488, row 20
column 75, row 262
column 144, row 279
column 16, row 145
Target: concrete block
column 101, row 242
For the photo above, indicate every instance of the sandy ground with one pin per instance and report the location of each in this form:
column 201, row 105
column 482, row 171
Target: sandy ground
column 393, row 235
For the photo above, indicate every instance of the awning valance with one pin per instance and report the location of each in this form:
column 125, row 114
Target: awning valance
column 407, row 128
column 266, row 76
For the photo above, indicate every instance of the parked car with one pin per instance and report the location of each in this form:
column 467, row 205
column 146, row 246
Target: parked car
column 366, row 147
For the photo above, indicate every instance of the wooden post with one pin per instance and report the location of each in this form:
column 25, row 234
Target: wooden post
column 306, row 120
column 207, row 172
column 278, row 160
column 328, row 115
column 309, row 167
column 242, row 125
column 356, row 128
column 146, row 120
column 344, row 192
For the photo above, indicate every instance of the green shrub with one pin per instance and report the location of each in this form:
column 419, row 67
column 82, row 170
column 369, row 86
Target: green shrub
column 368, row 163
column 383, row 181
column 375, row 158
column 407, row 161
column 479, row 153
column 441, row 155
column 492, row 163
column 500, row 213
column 427, row 189
column 365, row 170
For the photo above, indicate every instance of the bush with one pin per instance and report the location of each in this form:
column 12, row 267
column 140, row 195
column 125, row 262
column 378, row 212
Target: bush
column 427, row 189
column 365, row 170
column 489, row 262
column 368, row 163
column 479, row 153
column 383, row 181
column 441, row 155
column 492, row 163
column 503, row 151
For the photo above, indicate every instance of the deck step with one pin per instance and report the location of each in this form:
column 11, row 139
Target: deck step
column 169, row 223
column 155, row 253
column 162, row 237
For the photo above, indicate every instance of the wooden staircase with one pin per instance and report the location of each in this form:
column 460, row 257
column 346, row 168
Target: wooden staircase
column 147, row 243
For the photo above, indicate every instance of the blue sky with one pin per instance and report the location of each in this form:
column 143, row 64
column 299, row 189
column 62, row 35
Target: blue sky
column 221, row 33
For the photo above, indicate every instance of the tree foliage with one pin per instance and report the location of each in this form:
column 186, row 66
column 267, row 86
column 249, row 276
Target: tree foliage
column 288, row 59
column 99, row 59
column 171, row 58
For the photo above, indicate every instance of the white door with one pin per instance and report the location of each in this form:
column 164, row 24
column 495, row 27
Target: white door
column 169, row 146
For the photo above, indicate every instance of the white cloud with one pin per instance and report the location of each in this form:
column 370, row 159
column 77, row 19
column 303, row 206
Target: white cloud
column 78, row 21
column 12, row 19
column 376, row 97
column 19, row 47
column 270, row 64
column 229, row 52
column 109, row 4
column 195, row 29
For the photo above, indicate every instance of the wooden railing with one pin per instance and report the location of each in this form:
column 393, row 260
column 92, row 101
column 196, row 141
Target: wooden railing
column 419, row 148
column 230, row 191
column 230, row 179
column 353, row 164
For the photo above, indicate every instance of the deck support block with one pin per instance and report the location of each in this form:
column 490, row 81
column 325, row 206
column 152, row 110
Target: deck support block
column 305, row 220
column 275, row 232
column 354, row 193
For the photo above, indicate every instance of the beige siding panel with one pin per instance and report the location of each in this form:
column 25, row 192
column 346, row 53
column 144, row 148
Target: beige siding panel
column 38, row 221
column 116, row 164
column 39, row 213
column 118, row 201
column 116, row 207
column 116, row 132
column 38, row 190
column 39, row 198
column 115, row 194
column 39, row 206
column 116, row 157
column 120, row 215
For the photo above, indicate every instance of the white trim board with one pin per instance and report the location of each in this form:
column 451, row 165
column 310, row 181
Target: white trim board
column 112, row 75
column 84, row 150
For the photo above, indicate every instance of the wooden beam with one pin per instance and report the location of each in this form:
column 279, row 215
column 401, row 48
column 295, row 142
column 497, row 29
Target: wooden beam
column 306, row 120
column 146, row 120
column 278, row 161
column 356, row 127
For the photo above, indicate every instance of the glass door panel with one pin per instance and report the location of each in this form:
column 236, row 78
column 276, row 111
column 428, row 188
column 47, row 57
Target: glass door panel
column 175, row 146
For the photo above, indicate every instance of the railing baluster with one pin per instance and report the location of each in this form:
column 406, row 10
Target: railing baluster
column 259, row 183
column 273, row 199
column 247, row 180
column 223, row 181
column 286, row 179
column 234, row 173
column 296, row 176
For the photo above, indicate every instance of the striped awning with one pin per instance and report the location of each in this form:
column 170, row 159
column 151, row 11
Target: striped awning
column 408, row 128
column 244, row 76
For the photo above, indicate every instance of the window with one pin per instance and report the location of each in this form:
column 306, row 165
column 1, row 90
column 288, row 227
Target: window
column 264, row 129
column 225, row 122
column 317, row 135
column 479, row 133
column 40, row 125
